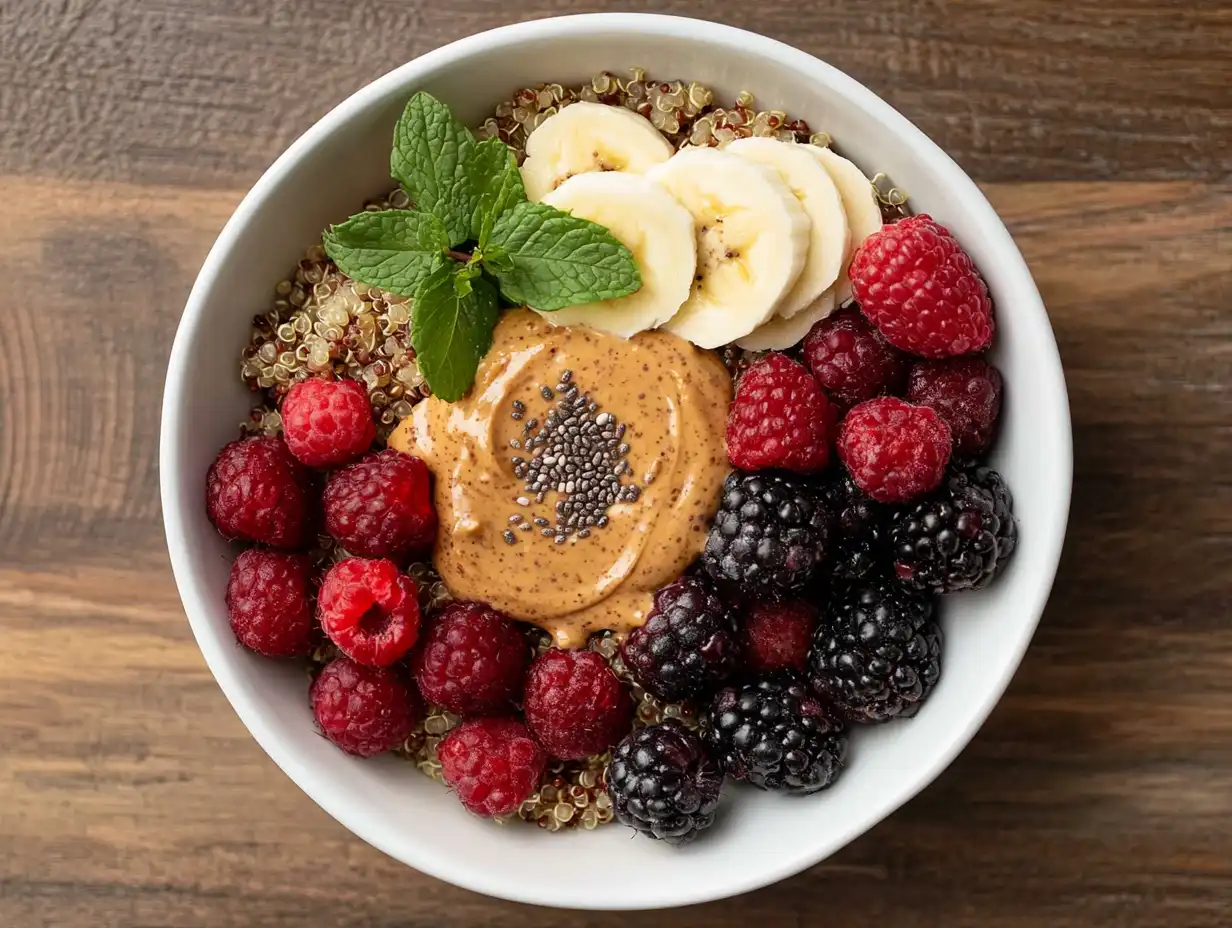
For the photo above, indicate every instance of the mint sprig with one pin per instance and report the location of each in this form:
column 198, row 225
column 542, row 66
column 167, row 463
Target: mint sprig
column 470, row 233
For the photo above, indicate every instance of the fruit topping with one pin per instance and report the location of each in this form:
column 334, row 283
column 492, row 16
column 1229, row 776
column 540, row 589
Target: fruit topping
column 369, row 610
column 327, row 422
column 472, row 660
column 269, row 602
column 381, row 506
column 966, row 393
column 777, row 635
column 893, row 450
column 688, row 646
column 858, row 542
column 256, row 491
column 575, row 705
column 363, row 710
column 851, row 359
column 780, row 419
column 859, row 203
column 493, row 764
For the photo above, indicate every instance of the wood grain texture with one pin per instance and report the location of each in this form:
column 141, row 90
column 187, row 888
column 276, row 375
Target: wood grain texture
column 1100, row 791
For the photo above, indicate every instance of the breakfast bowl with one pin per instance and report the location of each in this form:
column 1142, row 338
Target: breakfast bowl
column 759, row 837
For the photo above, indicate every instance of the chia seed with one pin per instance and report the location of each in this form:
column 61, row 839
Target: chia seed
column 510, row 538
column 546, row 393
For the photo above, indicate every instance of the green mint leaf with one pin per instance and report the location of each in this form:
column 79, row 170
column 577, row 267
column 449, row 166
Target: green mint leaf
column 394, row 249
column 560, row 260
column 451, row 332
column 496, row 259
column 431, row 157
column 497, row 183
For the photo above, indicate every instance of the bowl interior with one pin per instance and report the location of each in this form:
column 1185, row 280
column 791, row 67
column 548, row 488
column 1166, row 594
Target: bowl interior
column 342, row 161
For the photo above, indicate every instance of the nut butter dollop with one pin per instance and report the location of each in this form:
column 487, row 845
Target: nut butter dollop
column 672, row 399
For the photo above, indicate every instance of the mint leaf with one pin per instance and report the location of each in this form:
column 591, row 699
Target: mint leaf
column 558, row 260
column 497, row 183
column 451, row 332
column 430, row 159
column 394, row 249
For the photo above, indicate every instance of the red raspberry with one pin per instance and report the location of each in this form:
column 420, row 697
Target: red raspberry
column 777, row 635
column 472, row 660
column 269, row 604
column 381, row 506
column 851, row 359
column 492, row 764
column 893, row 450
column 327, row 422
column 966, row 392
column 919, row 287
column 780, row 418
column 370, row 610
column 363, row 710
column 256, row 491
column 575, row 704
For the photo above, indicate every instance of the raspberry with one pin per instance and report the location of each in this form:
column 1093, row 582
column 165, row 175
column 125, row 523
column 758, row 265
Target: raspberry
column 776, row 636
column 381, row 506
column 327, row 422
column 256, row 491
column 966, row 392
column 575, row 705
column 780, row 418
column 918, row 286
column 851, row 359
column 370, row 610
column 363, row 710
column 268, row 602
column 492, row 764
column 688, row 645
column 893, row 450
column 472, row 660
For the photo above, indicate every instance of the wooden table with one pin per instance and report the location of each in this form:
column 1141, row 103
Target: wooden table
column 1100, row 791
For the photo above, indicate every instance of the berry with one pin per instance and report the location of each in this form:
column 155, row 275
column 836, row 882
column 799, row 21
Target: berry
column 770, row 533
column 256, row 491
column 688, row 644
column 776, row 735
column 966, row 393
column 663, row 783
column 363, row 710
column 575, row 704
column 776, row 636
column 269, row 604
column 492, row 764
column 381, row 506
column 327, row 422
column 858, row 539
column 960, row 538
column 918, row 286
column 472, row 660
column 370, row 610
column 894, row 451
column 780, row 418
column 877, row 652
column 852, row 360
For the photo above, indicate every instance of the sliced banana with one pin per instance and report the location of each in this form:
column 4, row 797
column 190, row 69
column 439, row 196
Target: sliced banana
column 829, row 240
column 752, row 241
column 863, row 213
column 648, row 221
column 779, row 333
column 585, row 137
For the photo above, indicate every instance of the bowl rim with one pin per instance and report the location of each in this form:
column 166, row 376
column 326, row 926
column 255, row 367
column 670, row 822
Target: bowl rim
column 1014, row 271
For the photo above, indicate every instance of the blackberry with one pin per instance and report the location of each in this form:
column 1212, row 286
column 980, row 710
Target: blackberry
column 771, row 533
column 687, row 647
column 877, row 651
column 858, row 528
column 664, row 783
column 776, row 735
column 960, row 537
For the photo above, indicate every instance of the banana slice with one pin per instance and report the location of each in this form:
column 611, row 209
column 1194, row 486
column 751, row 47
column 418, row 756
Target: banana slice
column 863, row 213
column 752, row 241
column 585, row 137
column 829, row 240
column 651, row 224
column 779, row 333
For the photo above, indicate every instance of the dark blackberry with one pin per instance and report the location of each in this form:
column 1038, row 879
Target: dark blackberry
column 858, row 528
column 959, row 538
column 771, row 532
column 776, row 735
column 877, row 651
column 687, row 647
column 664, row 783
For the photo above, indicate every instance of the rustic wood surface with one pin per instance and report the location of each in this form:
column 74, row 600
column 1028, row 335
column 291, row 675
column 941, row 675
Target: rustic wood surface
column 1100, row 791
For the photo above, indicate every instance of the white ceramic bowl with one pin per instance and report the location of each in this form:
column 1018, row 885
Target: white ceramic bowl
column 760, row 838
